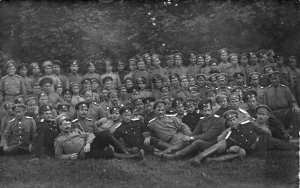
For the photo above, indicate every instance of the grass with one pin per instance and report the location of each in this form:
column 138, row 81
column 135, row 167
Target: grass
column 151, row 172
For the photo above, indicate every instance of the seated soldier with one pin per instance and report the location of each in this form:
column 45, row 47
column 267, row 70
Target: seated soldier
column 222, row 101
column 19, row 134
column 32, row 108
column 73, row 144
column 234, row 103
column 192, row 117
column 95, row 111
column 47, row 131
column 178, row 106
column 83, row 123
column 205, row 134
column 244, row 137
column 111, row 122
column 149, row 112
column 250, row 98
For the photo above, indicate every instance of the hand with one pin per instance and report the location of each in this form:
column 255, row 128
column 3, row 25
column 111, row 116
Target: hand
column 87, row 148
column 5, row 148
column 147, row 141
column 296, row 109
column 73, row 156
column 234, row 149
column 187, row 138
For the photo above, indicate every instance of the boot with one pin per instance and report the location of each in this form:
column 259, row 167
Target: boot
column 161, row 145
column 223, row 157
column 116, row 144
column 196, row 161
column 139, row 156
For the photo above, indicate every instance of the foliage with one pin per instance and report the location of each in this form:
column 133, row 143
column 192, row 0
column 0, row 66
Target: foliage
column 37, row 31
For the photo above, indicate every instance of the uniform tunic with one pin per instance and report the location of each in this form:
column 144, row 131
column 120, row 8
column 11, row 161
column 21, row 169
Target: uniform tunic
column 84, row 125
column 11, row 87
column 74, row 78
column 169, row 129
column 95, row 112
column 192, row 119
column 224, row 66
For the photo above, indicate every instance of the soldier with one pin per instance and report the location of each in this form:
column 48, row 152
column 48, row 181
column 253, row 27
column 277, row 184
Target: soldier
column 124, row 96
column 170, row 61
column 211, row 94
column 95, row 96
column 74, row 76
column 223, row 102
column 22, row 71
column 214, row 67
column 296, row 75
column 132, row 67
column 147, row 58
column 142, row 71
column 157, row 69
column 178, row 106
column 254, row 83
column 206, row 67
column 83, row 123
column 96, row 86
column 242, row 137
column 250, row 98
column 200, row 61
column 47, row 131
column 193, row 68
column 234, row 68
column 239, row 80
column 149, row 112
column 244, row 61
column 129, row 83
column 11, row 85
column 43, row 98
column 138, row 107
column 285, row 73
column 165, row 91
column 175, row 85
column 235, row 104
column 141, row 83
column 32, row 108
column 108, row 72
column 191, row 79
column 91, row 71
column 223, row 83
column 121, row 70
column 179, row 69
column 253, row 63
column 58, row 89
column 46, row 84
column 282, row 102
column 76, row 98
column 195, row 95
column 8, row 115
column 57, row 64
column 65, row 108
column 202, row 83
column 157, row 84
column 95, row 111
column 192, row 117
column 183, row 92
column 224, row 64
column 72, row 144
column 19, row 133
column 48, row 70
column 34, row 71
column 111, row 122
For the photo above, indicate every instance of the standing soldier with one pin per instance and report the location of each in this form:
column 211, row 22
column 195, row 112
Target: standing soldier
column 91, row 71
column 254, row 82
column 46, row 84
column 11, row 85
column 170, row 64
column 95, row 111
column 179, row 69
column 193, row 68
column 57, row 64
column 74, row 76
column 234, row 68
column 34, row 71
column 224, row 64
column 157, row 69
column 253, row 63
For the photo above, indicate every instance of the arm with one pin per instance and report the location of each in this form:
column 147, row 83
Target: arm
column 223, row 134
column 213, row 131
column 59, row 152
column 198, row 129
column 184, row 128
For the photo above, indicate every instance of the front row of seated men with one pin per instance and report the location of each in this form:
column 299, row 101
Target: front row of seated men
column 122, row 136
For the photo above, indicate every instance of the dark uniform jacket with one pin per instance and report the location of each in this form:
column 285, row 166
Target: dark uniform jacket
column 192, row 119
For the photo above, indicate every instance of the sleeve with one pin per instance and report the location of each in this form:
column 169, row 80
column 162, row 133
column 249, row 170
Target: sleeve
column 212, row 133
column 6, row 133
column 23, row 88
column 101, row 112
column 117, row 134
column 223, row 134
column 291, row 79
column 258, row 130
column 184, row 128
column 89, row 137
column 198, row 129
column 290, row 97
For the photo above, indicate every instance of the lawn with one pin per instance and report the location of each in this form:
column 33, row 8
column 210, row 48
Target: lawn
column 151, row 172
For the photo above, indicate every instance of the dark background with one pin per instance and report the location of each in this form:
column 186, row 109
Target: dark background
column 64, row 30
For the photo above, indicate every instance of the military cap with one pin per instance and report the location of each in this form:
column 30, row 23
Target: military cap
column 189, row 102
column 253, row 75
column 132, row 60
column 233, row 54
column 63, row 106
column 9, row 104
column 213, row 60
column 243, row 54
column 183, row 77
column 122, row 86
column 200, row 56
column 156, row 78
column 141, row 79
column 57, row 62
column 201, row 75
column 147, row 54
column 238, row 75
column 178, row 55
column 19, row 105
column 74, row 62
column 87, row 90
column 291, row 58
column 67, row 92
column 156, row 56
column 221, row 76
column 107, row 78
column 33, row 65
column 22, row 65
column 60, row 118
column 177, row 102
column 113, row 93
column 47, row 63
column 30, row 99
column 74, row 84
column 190, row 76
column 91, row 63
column 263, row 106
column 10, row 63
column 19, row 99
column 94, row 80
column 128, row 79
column 44, row 108
column 211, row 77
column 222, row 50
column 273, row 74
column 207, row 55
column 165, row 88
column 81, row 104
column 42, row 94
column 193, row 88
column 249, row 94
column 170, row 57
column 58, row 86
column 133, row 89
column 252, row 54
column 126, row 109
column 221, row 96
column 205, row 104
column 192, row 54
column 209, row 91
column 234, row 90
column 148, row 100
column 174, row 76
column 230, row 114
column 114, row 109
column 269, row 66
column 159, row 102
column 86, row 80
column 45, row 80
column 138, row 101
column 261, row 53
column 233, row 96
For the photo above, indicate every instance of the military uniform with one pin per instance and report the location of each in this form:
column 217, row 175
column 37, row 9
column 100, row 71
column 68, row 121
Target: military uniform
column 11, row 87
column 191, row 119
column 84, row 125
column 19, row 134
column 43, row 143
column 95, row 111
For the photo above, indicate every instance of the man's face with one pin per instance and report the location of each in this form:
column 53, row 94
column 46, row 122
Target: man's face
column 160, row 110
column 82, row 111
column 43, row 100
column 63, row 111
column 180, row 109
column 95, row 85
column 193, row 59
column 262, row 115
column 115, row 115
column 234, row 60
column 36, row 70
column 121, row 66
column 86, row 85
column 156, row 62
column 224, row 56
column 108, row 85
column 192, row 81
column 47, row 87
column 233, row 121
column 108, row 67
column 88, row 96
column 148, row 61
column 139, row 105
column 158, row 84
column 244, row 60
column 170, row 62
column 59, row 91
column 252, row 103
column 211, row 96
column 280, row 61
column 200, row 81
column 142, row 85
column 141, row 65
column 222, row 82
column 9, row 109
column 254, row 81
column 48, row 70
column 167, row 82
column 178, row 60
column 129, row 84
column 37, row 89
column 207, row 59
column 123, row 91
column 184, row 83
column 190, row 108
column 239, row 81
column 132, row 66
column 65, row 126
column 275, row 80
column 67, row 97
column 200, row 61
column 234, row 104
column 48, row 115
column 127, row 116
column 56, row 69
column 194, row 94
column 207, row 111
column 149, row 106
column 74, row 68
column 23, row 71
column 214, row 66
column 31, row 106
column 91, row 69
column 253, row 60
column 11, row 70
column 19, row 112
column 113, row 98
column 223, row 103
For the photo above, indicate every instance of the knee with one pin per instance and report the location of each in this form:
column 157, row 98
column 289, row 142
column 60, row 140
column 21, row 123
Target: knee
column 241, row 153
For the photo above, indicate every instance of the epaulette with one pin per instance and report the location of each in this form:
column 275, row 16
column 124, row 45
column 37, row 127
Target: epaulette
column 152, row 120
column 202, row 117
column 282, row 85
column 74, row 120
column 243, row 111
column 12, row 120
column 171, row 115
column 89, row 119
column 245, row 122
column 4, row 76
column 229, row 67
column 95, row 103
column 261, row 87
column 118, row 125
column 268, row 86
column 42, row 120
column 216, row 115
column 18, row 76
column 135, row 119
column 28, row 117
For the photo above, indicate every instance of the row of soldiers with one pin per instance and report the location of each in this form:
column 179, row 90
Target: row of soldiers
column 102, row 102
